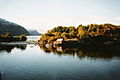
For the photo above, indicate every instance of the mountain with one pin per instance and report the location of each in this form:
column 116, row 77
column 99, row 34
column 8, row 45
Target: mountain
column 13, row 28
column 33, row 32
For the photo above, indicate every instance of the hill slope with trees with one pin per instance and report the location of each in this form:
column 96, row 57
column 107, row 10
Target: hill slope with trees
column 12, row 28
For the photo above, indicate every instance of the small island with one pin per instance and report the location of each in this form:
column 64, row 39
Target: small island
column 93, row 35
column 9, row 38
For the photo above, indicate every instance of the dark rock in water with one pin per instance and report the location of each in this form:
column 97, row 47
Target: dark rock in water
column 13, row 28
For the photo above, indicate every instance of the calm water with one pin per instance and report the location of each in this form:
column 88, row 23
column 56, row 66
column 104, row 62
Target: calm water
column 32, row 62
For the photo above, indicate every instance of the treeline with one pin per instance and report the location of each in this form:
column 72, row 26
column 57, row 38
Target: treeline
column 92, row 32
column 9, row 38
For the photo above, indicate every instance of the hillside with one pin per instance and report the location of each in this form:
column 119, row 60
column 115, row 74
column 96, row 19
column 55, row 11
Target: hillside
column 13, row 28
column 33, row 32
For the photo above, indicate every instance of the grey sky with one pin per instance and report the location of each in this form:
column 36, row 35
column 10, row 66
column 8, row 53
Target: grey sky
column 46, row 14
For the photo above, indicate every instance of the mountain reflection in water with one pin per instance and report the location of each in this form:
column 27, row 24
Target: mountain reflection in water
column 93, row 53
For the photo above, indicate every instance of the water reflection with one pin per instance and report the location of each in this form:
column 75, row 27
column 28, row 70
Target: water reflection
column 89, row 52
column 8, row 48
column 1, row 75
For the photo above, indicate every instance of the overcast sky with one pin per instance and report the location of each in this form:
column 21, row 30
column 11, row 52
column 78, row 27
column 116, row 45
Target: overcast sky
column 46, row 14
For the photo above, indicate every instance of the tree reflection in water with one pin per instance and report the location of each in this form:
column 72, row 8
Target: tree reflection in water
column 8, row 48
column 0, row 76
column 82, row 52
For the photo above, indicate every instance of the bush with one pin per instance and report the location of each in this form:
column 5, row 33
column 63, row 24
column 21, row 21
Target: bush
column 23, row 38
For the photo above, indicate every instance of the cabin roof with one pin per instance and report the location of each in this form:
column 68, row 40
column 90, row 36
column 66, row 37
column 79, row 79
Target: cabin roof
column 60, row 39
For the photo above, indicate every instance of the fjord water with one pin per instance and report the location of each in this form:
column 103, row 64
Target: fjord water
column 30, row 62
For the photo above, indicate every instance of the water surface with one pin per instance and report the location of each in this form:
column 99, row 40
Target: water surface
column 32, row 62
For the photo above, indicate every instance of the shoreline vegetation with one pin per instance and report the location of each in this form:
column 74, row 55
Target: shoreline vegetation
column 93, row 35
column 9, row 38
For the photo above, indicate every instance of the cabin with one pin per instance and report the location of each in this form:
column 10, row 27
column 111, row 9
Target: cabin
column 58, row 42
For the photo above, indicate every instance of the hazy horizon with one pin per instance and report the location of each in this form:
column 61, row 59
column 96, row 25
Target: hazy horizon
column 46, row 14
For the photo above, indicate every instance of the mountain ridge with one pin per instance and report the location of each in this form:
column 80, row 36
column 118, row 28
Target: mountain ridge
column 11, row 27
column 33, row 32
